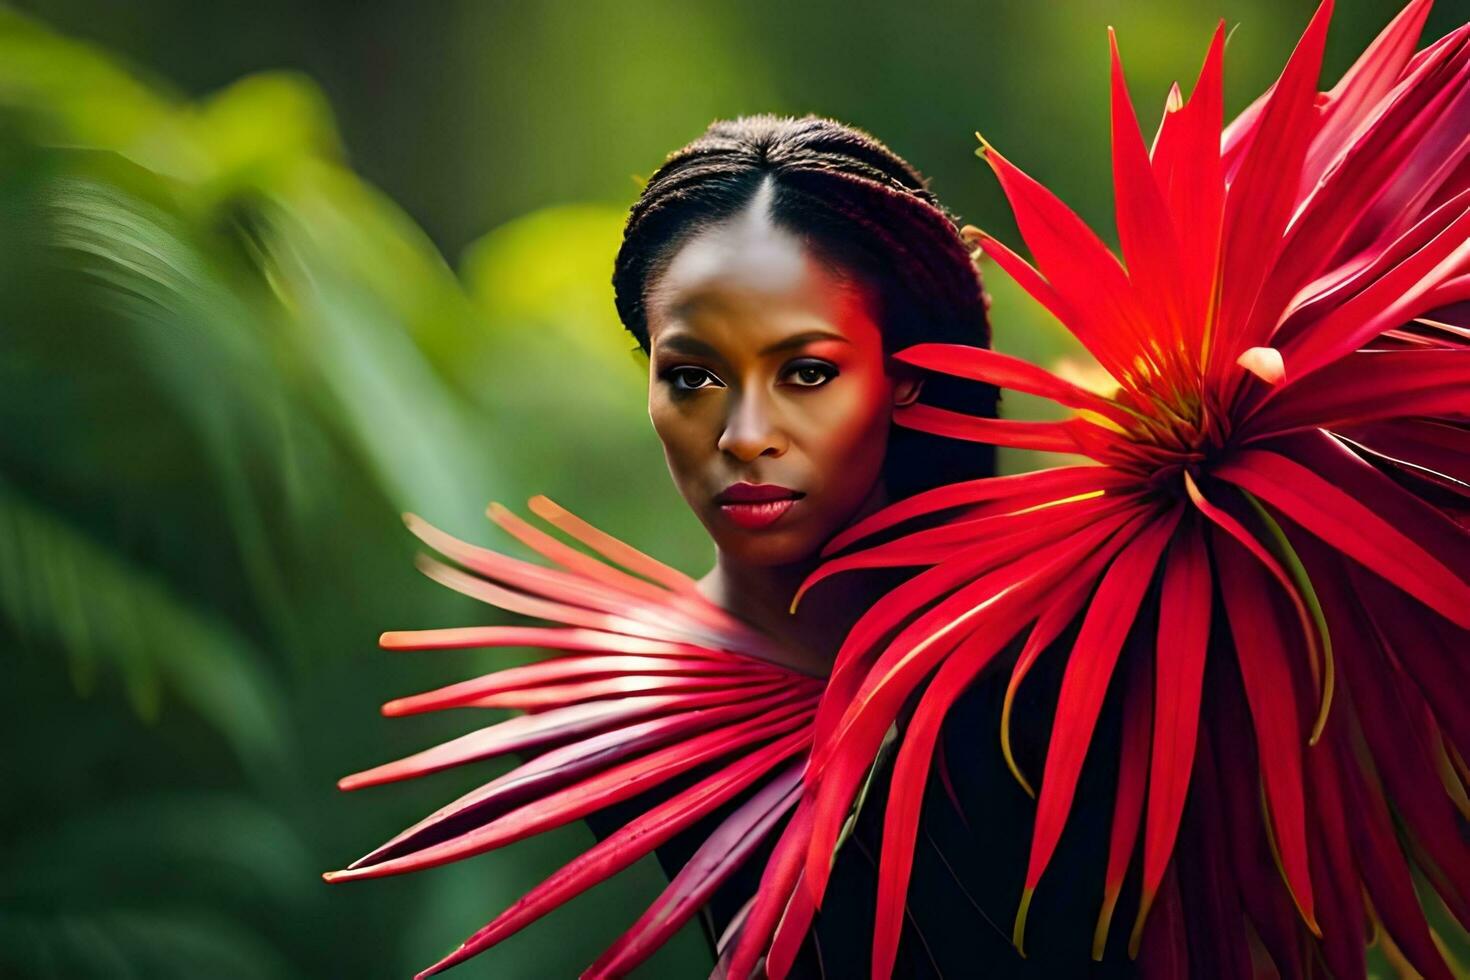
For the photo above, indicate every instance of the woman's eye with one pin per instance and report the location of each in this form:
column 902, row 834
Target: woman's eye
column 691, row 379
column 810, row 374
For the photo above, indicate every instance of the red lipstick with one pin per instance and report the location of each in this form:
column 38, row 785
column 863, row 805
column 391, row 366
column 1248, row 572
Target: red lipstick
column 756, row 505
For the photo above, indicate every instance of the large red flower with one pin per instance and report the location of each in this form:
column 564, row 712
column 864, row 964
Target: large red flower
column 1267, row 552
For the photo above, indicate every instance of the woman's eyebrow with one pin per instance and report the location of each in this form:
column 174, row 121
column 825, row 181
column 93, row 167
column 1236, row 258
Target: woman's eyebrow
column 683, row 343
column 801, row 340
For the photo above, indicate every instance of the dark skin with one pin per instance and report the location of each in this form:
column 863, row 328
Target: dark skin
column 767, row 368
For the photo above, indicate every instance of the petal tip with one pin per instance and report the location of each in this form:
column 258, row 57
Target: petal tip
column 1135, row 937
column 1018, row 934
column 1265, row 363
column 1104, row 924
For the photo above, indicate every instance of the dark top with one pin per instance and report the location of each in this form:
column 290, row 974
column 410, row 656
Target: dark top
column 968, row 869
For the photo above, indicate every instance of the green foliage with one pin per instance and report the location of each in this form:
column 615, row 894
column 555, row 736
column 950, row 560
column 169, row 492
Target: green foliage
column 228, row 365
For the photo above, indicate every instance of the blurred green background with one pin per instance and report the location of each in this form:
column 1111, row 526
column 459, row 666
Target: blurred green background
column 271, row 274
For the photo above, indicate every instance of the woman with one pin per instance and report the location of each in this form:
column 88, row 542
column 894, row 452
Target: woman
column 769, row 269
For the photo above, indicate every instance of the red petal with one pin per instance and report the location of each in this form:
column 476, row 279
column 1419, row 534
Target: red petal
column 1424, row 646
column 722, row 853
column 1030, row 280
column 557, row 669
column 1007, row 536
column 1226, row 522
column 999, row 603
column 894, row 608
column 1090, row 667
column 553, row 771
column 1335, row 881
column 1389, row 885
column 1145, row 227
column 906, row 794
column 1164, row 951
column 551, row 583
column 548, row 638
column 1262, row 195
column 701, row 622
column 1004, row 371
column 556, row 695
column 1062, row 607
column 537, row 731
column 1195, row 189
column 795, row 922
column 1418, row 128
column 1363, row 85
column 623, row 847
column 1231, row 792
column 667, row 628
column 570, row 558
column 1395, row 297
column 778, row 882
column 1385, row 701
column 1258, row 630
column 1367, row 386
column 1057, row 483
column 1324, row 508
column 550, row 727
column 1184, row 633
column 488, row 690
column 1092, row 286
column 1436, row 445
column 1413, row 132
column 1053, row 437
column 1133, row 765
column 612, row 548
column 1219, row 887
column 603, row 789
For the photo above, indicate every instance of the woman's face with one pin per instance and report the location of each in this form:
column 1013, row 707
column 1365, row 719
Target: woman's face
column 768, row 387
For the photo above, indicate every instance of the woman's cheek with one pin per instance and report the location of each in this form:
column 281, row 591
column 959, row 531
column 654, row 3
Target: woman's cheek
column 681, row 429
column 845, row 429
column 845, row 437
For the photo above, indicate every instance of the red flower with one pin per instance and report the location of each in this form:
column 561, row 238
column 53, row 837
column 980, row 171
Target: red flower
column 652, row 681
column 1280, row 483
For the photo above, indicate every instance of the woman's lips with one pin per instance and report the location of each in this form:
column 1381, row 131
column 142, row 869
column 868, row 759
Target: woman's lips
column 757, row 515
column 756, row 505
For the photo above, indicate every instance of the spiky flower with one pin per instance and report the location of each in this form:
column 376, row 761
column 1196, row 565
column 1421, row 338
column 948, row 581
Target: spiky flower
column 1267, row 551
column 648, row 681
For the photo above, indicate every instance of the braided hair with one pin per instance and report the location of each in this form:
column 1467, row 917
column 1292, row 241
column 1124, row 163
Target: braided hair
column 861, row 208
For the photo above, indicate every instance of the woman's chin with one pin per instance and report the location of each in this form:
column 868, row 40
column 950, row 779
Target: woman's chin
column 768, row 547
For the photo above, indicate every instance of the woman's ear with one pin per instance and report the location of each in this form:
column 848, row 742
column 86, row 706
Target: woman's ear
column 906, row 388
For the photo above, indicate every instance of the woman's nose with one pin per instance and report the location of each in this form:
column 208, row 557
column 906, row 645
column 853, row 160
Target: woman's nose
column 751, row 430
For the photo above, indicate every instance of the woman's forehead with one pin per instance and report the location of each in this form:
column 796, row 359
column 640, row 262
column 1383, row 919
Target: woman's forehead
column 747, row 250
column 750, row 277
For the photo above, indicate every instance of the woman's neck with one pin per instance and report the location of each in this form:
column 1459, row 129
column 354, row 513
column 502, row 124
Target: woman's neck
column 761, row 596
